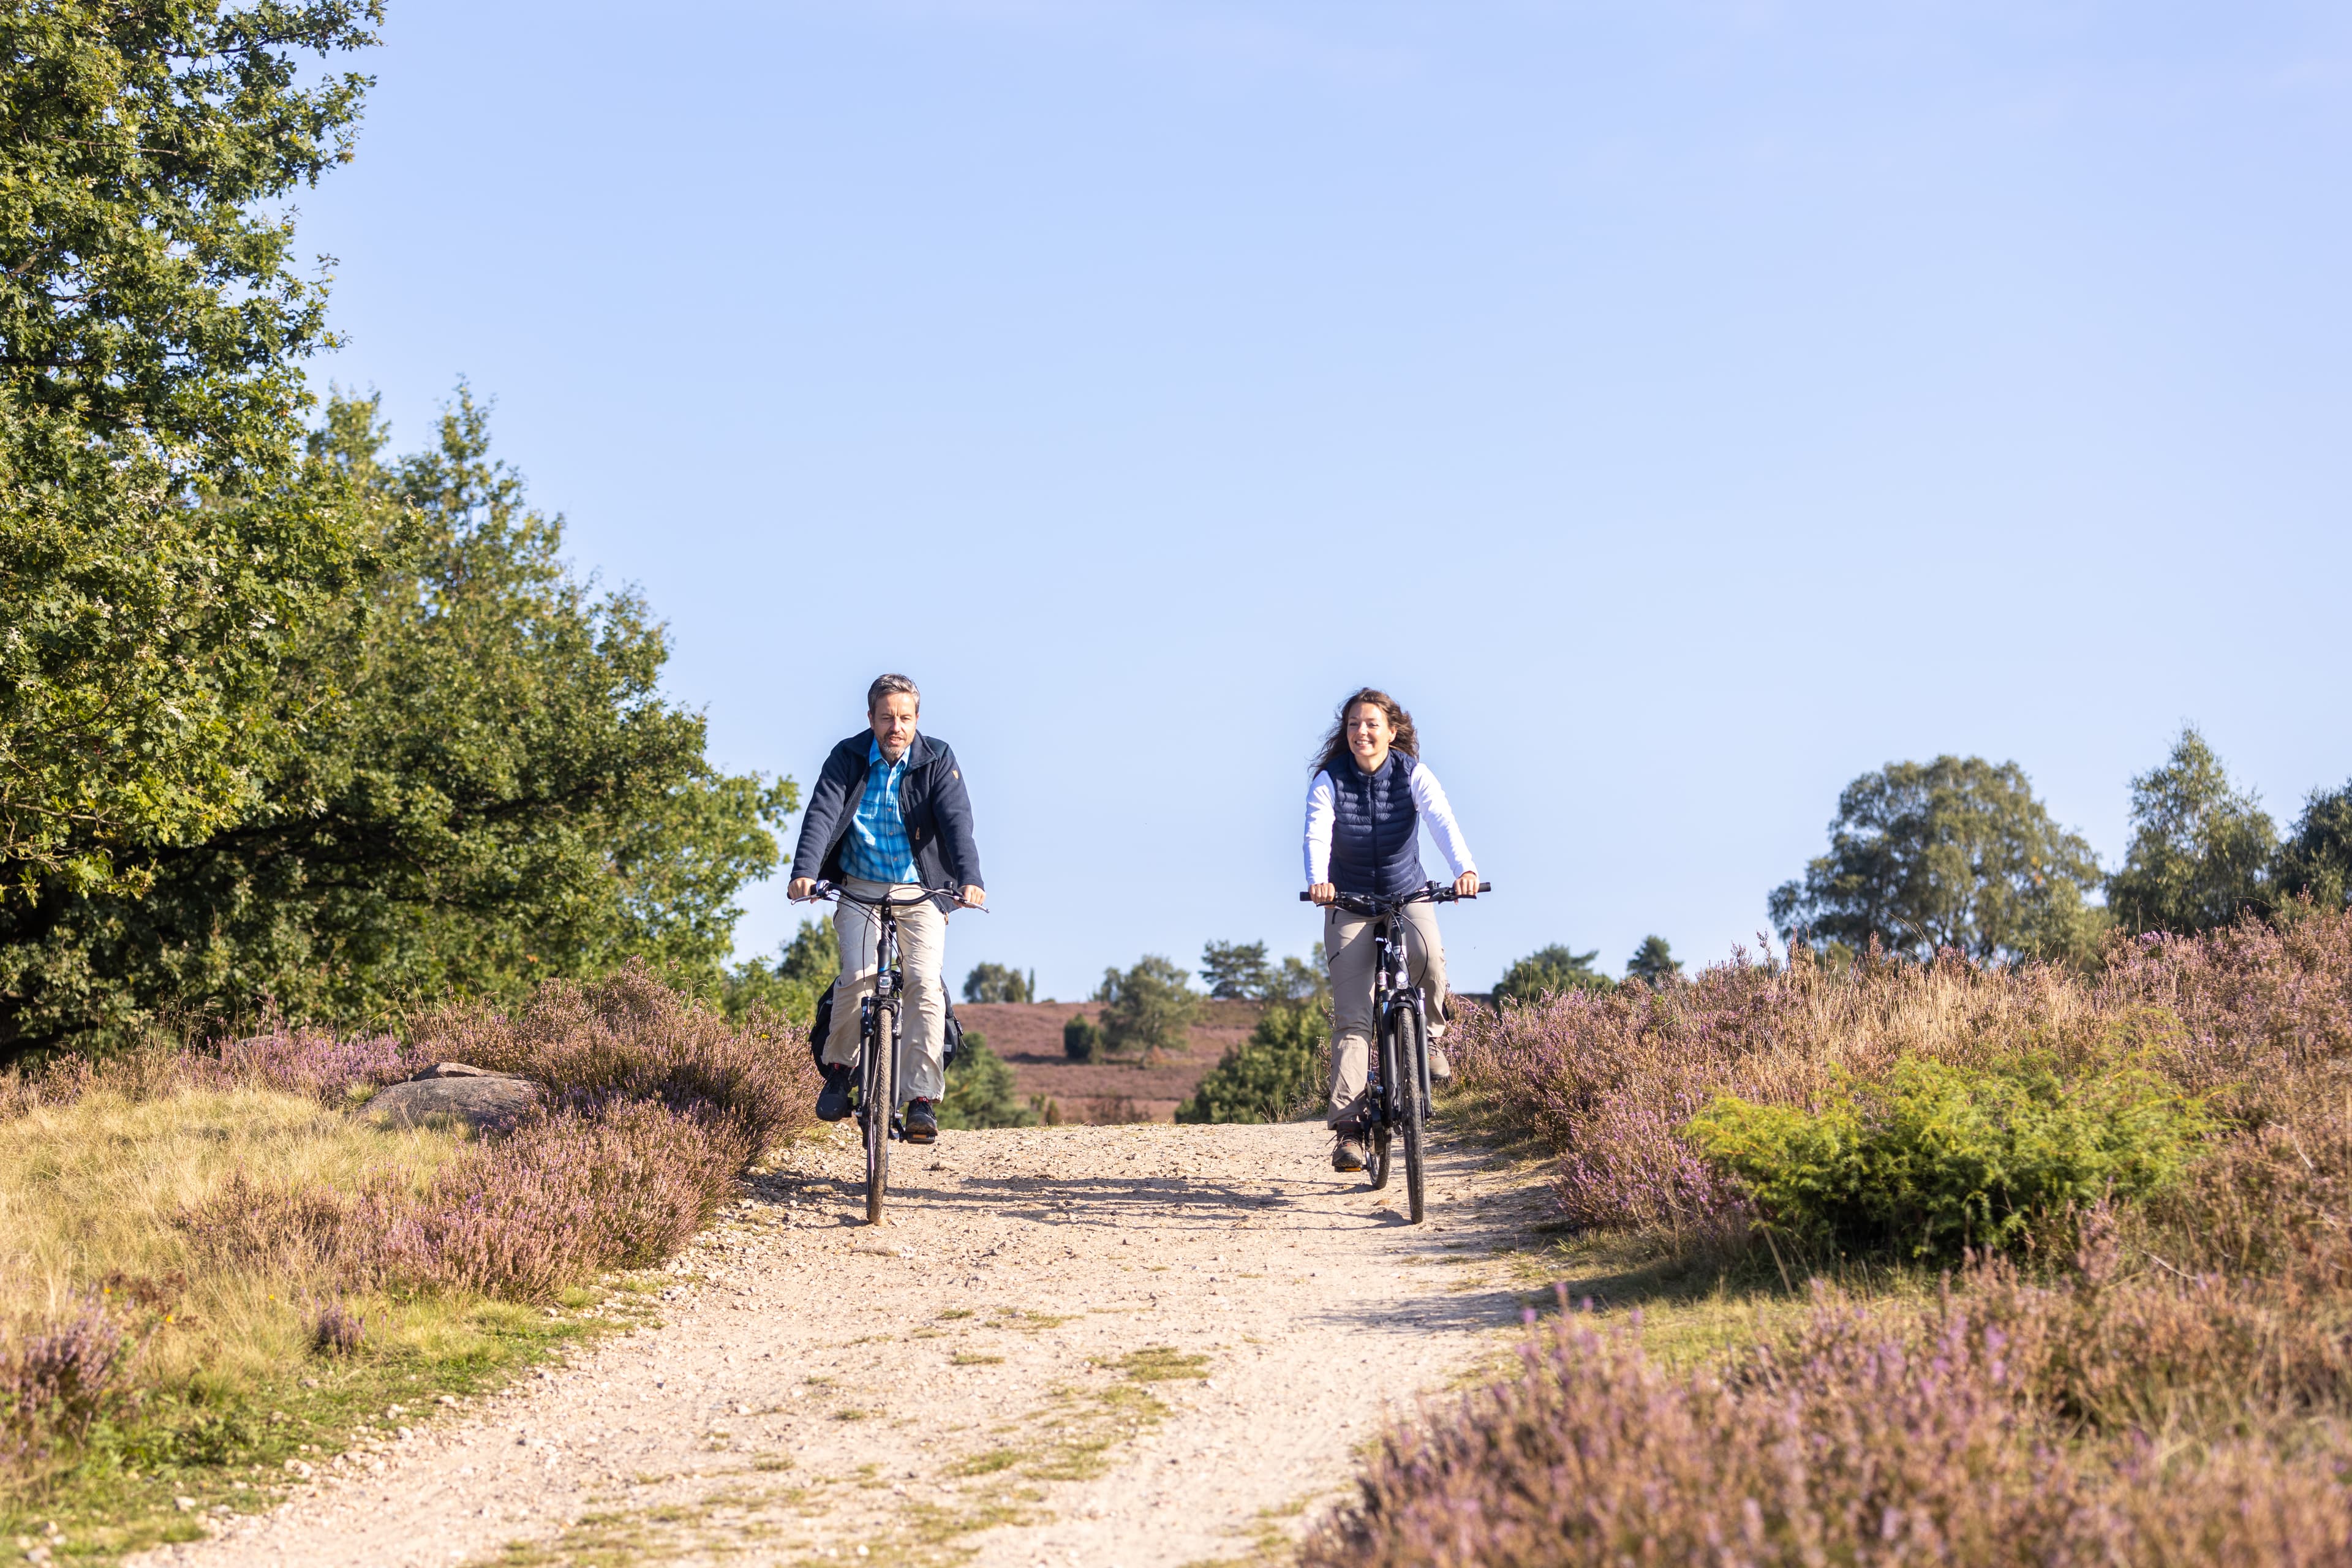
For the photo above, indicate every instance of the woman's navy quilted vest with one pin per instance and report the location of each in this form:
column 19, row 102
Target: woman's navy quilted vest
column 1376, row 836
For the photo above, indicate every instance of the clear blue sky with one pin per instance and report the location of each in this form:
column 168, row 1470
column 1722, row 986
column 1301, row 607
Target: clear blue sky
column 1682, row 408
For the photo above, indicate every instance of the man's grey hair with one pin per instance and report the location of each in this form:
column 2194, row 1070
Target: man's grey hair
column 890, row 686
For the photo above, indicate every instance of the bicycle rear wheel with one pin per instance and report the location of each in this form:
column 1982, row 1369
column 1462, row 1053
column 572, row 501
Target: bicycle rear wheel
column 1407, row 1099
column 878, row 1089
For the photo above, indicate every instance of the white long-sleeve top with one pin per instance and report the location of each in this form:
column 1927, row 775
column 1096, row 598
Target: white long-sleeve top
column 1428, row 798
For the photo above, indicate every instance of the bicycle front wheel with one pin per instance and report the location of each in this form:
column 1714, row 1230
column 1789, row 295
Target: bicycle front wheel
column 1411, row 1048
column 879, row 1091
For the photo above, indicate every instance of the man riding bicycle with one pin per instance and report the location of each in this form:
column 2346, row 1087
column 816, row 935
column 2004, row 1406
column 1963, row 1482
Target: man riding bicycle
column 889, row 817
column 1365, row 807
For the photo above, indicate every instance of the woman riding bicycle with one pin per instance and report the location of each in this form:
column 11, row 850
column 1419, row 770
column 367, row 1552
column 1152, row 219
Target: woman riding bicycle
column 1365, row 807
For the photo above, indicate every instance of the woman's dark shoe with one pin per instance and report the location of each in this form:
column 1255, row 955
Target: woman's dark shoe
column 1347, row 1153
column 922, row 1121
column 833, row 1100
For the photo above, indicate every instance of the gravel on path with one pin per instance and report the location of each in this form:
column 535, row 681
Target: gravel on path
column 1121, row 1345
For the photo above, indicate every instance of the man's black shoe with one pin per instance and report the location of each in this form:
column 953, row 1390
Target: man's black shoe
column 833, row 1100
column 922, row 1122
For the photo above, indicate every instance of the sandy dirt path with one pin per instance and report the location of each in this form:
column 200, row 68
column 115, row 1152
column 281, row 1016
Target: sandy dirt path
column 1072, row 1346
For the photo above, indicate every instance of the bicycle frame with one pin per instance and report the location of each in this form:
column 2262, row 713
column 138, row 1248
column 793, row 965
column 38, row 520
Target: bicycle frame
column 1393, row 991
column 886, row 996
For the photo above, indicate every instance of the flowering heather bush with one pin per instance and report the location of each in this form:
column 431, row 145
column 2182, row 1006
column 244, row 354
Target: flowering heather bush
column 629, row 1036
column 336, row 1329
column 2258, row 1018
column 1607, row 1080
column 55, row 1379
column 1873, row 1438
column 574, row 1192
column 2259, row 1005
column 657, row 1107
column 2179, row 1391
column 294, row 1233
column 564, row 1199
column 308, row 1062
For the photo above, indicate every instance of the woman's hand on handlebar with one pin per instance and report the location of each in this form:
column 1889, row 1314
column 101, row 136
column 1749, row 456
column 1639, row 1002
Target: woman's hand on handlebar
column 1322, row 893
column 1465, row 886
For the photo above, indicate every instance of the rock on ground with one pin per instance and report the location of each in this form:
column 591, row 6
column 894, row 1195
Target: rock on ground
column 1128, row 1346
column 453, row 1089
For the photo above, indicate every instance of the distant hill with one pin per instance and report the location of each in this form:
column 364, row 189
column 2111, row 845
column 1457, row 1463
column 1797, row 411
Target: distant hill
column 1028, row 1036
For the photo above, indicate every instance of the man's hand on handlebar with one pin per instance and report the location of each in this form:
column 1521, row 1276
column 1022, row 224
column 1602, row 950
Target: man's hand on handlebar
column 1465, row 886
column 802, row 887
column 977, row 897
column 1322, row 893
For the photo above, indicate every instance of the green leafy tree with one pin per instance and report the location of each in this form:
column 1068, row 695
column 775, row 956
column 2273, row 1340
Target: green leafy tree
column 2316, row 862
column 1237, row 971
column 1309, row 981
column 159, row 541
column 980, row 1089
column 805, row 966
column 1548, row 971
column 1150, row 1007
column 1276, row 1074
column 486, row 788
column 1082, row 1041
column 1654, row 962
column 2200, row 850
column 813, row 957
column 995, row 983
column 1954, row 853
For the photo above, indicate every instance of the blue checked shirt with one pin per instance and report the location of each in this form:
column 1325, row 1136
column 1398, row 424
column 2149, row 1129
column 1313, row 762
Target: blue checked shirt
column 876, row 847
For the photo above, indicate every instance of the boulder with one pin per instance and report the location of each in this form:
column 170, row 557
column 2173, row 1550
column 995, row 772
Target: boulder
column 456, row 1091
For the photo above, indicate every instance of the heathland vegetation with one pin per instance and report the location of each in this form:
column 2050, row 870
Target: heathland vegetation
column 1942, row 1262
column 1991, row 1224
column 2001, row 1218
column 221, row 1268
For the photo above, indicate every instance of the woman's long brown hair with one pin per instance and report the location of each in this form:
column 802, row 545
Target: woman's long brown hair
column 1335, row 744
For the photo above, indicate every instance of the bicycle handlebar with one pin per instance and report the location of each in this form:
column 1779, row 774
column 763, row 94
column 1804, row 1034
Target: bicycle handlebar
column 834, row 891
column 1429, row 892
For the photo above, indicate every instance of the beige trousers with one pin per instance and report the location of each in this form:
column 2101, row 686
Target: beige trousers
column 1347, row 946
column 923, row 952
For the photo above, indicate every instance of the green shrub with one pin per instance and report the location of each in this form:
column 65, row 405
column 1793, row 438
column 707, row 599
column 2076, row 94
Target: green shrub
column 1148, row 1009
column 1938, row 1158
column 1272, row 1076
column 1081, row 1041
column 980, row 1089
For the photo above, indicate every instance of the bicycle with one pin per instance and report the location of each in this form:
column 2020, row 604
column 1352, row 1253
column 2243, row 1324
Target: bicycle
column 880, row 1013
column 1396, row 1088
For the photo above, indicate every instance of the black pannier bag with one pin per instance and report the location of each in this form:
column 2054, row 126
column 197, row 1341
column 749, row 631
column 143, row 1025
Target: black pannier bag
column 818, row 1030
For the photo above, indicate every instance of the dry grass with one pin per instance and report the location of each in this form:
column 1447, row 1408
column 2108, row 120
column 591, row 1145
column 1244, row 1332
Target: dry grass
column 92, row 1191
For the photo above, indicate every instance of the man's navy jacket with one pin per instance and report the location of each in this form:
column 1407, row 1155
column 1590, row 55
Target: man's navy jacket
column 932, row 802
